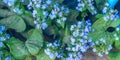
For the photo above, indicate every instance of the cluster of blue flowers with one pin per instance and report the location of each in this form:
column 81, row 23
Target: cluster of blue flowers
column 86, row 3
column 77, row 45
column 9, row 2
column 3, row 37
column 78, row 42
column 54, row 50
column 42, row 13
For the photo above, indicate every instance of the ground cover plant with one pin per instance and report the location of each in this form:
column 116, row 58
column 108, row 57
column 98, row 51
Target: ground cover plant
column 59, row 29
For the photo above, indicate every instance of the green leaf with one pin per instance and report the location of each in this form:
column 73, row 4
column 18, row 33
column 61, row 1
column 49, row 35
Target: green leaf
column 17, row 48
column 58, row 1
column 100, row 31
column 43, row 56
column 72, row 16
column 99, row 16
column 117, row 44
column 28, row 58
column 26, row 2
column 32, row 46
column 5, row 13
column 115, row 23
column 40, row 13
column 97, row 1
column 34, row 42
column 28, row 19
column 50, row 30
column 99, row 24
column 102, row 24
column 66, row 40
column 14, row 22
column 114, row 55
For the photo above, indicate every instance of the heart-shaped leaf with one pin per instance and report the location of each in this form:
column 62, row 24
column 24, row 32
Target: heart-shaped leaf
column 32, row 46
column 34, row 42
column 102, row 24
column 43, row 56
column 117, row 44
column 5, row 13
column 101, row 28
column 72, row 16
column 17, row 48
column 114, row 55
column 14, row 22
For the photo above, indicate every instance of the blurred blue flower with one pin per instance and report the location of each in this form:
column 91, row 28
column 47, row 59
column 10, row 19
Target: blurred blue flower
column 1, row 44
column 44, row 26
column 5, row 1
column 17, row 10
column 22, row 0
column 9, row 2
column 2, row 38
column 8, row 58
column 112, row 3
column 100, row 55
column 94, row 50
column 2, row 28
column 118, row 26
column 48, row 2
column 44, row 6
column 8, row 36
column 0, row 58
column 56, row 5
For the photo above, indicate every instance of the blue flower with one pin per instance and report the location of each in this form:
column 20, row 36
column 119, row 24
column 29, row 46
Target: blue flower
column 0, row 58
column 109, row 47
column 1, row 44
column 22, row 0
column 52, row 16
column 11, row 2
column 8, row 36
column 5, row 1
column 44, row 6
column 118, row 26
column 2, row 28
column 8, row 58
column 94, row 50
column 44, row 26
column 17, row 10
column 56, row 5
column 48, row 2
column 67, row 10
column 2, row 38
column 100, row 55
